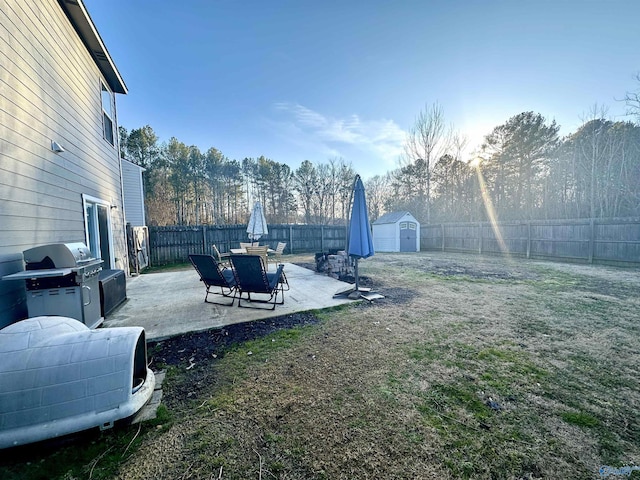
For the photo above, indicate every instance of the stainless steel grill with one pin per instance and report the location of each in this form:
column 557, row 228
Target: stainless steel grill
column 62, row 279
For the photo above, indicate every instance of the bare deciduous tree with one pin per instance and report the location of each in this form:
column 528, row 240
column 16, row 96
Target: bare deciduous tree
column 428, row 139
column 632, row 99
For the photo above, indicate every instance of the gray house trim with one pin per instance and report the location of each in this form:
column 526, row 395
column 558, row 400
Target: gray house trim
column 81, row 21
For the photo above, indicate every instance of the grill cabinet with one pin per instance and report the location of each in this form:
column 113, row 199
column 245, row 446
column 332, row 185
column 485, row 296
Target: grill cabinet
column 113, row 290
column 62, row 279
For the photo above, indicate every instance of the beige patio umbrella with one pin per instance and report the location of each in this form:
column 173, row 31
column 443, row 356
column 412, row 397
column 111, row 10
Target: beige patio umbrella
column 257, row 226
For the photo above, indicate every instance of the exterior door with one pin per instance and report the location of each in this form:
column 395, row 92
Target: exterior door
column 408, row 232
column 98, row 230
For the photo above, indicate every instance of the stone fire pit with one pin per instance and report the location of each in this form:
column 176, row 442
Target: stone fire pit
column 335, row 264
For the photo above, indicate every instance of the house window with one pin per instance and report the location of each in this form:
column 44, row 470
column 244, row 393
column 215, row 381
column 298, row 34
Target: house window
column 108, row 109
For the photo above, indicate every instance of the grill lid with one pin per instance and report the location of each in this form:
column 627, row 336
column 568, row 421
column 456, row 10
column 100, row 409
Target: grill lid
column 57, row 255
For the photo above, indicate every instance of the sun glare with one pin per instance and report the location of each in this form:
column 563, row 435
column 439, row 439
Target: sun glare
column 491, row 213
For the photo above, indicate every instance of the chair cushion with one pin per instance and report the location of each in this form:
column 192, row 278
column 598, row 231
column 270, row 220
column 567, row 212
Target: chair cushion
column 227, row 273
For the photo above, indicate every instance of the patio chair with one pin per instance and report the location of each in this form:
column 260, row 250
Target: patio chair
column 222, row 258
column 259, row 250
column 213, row 275
column 249, row 244
column 252, row 277
column 276, row 254
column 275, row 258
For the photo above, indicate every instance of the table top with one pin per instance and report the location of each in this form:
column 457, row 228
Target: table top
column 240, row 251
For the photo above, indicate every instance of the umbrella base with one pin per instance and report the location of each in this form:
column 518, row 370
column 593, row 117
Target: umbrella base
column 351, row 289
column 352, row 293
column 370, row 297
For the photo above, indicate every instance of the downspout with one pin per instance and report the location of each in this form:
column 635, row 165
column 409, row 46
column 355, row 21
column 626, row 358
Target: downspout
column 125, row 260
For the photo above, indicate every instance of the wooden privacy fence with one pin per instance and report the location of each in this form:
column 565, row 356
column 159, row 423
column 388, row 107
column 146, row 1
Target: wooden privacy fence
column 173, row 244
column 586, row 240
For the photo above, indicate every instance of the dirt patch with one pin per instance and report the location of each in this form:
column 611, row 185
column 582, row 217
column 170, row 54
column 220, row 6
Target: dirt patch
column 393, row 295
column 478, row 271
column 444, row 265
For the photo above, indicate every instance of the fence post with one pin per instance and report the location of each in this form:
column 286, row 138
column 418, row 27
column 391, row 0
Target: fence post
column 480, row 238
column 442, row 230
column 204, row 239
column 528, row 239
column 592, row 238
column 290, row 238
column 322, row 238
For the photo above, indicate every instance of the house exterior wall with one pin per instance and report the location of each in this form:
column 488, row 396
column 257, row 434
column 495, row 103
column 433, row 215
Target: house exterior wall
column 133, row 194
column 50, row 90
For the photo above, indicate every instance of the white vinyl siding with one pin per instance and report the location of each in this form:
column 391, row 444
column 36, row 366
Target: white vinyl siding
column 50, row 90
column 133, row 194
column 385, row 238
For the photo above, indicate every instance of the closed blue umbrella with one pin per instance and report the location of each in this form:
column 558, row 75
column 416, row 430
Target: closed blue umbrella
column 360, row 239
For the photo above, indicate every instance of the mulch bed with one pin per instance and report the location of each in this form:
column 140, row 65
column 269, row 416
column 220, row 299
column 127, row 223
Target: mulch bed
column 197, row 347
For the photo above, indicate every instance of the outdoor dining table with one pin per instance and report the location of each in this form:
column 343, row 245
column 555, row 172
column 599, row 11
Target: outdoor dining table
column 242, row 251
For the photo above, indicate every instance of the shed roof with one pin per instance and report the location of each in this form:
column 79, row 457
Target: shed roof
column 391, row 217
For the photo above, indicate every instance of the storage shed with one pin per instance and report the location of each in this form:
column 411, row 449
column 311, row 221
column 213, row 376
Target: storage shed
column 396, row 232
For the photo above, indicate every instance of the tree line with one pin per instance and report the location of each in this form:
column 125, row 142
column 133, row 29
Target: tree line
column 523, row 170
column 185, row 186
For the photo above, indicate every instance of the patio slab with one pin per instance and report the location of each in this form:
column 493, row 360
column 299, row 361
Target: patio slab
column 172, row 303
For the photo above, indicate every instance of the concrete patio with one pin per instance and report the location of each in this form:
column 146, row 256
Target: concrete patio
column 172, row 303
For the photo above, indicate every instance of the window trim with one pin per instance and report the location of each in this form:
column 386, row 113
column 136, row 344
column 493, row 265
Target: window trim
column 88, row 200
column 108, row 115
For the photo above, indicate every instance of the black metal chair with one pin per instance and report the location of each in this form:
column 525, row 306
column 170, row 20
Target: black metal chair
column 213, row 275
column 252, row 277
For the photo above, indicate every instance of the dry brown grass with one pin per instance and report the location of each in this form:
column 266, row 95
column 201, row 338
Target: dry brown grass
column 477, row 367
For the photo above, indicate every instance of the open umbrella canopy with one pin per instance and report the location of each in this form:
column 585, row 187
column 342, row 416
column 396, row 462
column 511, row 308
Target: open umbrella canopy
column 257, row 226
column 360, row 240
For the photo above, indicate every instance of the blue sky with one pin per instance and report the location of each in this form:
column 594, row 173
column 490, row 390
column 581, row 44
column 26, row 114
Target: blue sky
column 307, row 80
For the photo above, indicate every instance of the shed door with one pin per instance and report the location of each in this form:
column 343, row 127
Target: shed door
column 408, row 236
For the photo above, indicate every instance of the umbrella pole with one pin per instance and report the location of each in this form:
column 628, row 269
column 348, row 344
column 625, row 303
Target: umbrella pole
column 355, row 274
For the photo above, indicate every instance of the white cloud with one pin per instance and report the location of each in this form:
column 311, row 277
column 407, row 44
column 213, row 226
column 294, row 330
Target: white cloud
column 303, row 115
column 378, row 142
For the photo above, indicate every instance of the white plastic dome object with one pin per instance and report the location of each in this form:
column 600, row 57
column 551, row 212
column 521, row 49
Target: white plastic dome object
column 57, row 377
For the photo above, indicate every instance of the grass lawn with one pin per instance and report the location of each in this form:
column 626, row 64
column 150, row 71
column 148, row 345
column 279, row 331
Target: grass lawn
column 472, row 367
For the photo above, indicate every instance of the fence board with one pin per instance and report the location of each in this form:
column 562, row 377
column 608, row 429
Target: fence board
column 585, row 240
column 173, row 244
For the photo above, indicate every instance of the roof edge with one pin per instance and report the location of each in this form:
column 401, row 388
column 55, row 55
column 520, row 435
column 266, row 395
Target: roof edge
column 132, row 163
column 393, row 217
column 81, row 20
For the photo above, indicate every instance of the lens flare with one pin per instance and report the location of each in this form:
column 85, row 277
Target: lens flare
column 491, row 213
